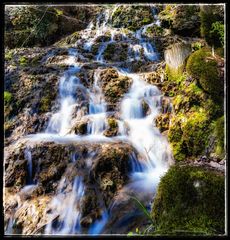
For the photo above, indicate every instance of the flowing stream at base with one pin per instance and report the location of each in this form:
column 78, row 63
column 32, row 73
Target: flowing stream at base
column 135, row 126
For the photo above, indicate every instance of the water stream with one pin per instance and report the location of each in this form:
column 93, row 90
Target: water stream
column 153, row 149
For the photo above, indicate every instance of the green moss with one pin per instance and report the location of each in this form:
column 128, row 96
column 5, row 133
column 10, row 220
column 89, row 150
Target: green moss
column 112, row 123
column 7, row 97
column 8, row 55
column 146, row 20
column 45, row 104
column 131, row 17
column 167, row 16
column 154, row 31
column 188, row 134
column 195, row 133
column 23, row 61
column 190, row 200
column 220, row 136
column 47, row 98
column 115, row 52
column 115, row 89
column 220, row 52
column 109, row 51
column 203, row 67
column 95, row 48
column 175, row 75
column 196, row 46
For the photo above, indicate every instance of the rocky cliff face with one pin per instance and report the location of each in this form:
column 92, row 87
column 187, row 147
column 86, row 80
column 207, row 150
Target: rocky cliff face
column 102, row 114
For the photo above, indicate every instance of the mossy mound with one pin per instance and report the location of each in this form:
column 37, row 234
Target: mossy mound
column 203, row 67
column 190, row 200
column 132, row 17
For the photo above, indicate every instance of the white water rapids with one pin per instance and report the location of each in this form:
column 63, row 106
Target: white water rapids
column 153, row 148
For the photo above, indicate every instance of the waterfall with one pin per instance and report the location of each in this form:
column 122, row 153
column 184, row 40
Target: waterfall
column 153, row 149
column 176, row 55
column 97, row 108
column 66, row 206
column 60, row 121
column 28, row 156
column 143, row 134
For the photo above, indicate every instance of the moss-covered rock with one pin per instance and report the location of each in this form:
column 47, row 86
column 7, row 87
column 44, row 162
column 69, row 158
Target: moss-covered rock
column 110, row 169
column 47, row 98
column 24, row 28
column 188, row 134
column 80, row 127
column 114, row 86
column 190, row 200
column 112, row 128
column 7, row 97
column 202, row 66
column 162, row 122
column 116, row 52
column 182, row 19
column 132, row 17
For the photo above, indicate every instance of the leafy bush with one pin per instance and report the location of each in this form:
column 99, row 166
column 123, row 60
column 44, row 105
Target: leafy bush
column 212, row 24
column 218, row 29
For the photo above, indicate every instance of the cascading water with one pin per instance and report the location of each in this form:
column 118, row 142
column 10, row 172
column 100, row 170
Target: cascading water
column 97, row 108
column 28, row 156
column 67, row 207
column 142, row 132
column 153, row 149
column 60, row 121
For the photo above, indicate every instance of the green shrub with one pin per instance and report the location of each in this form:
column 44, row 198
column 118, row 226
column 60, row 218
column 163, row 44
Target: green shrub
column 190, row 200
column 212, row 25
column 196, row 46
column 218, row 29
